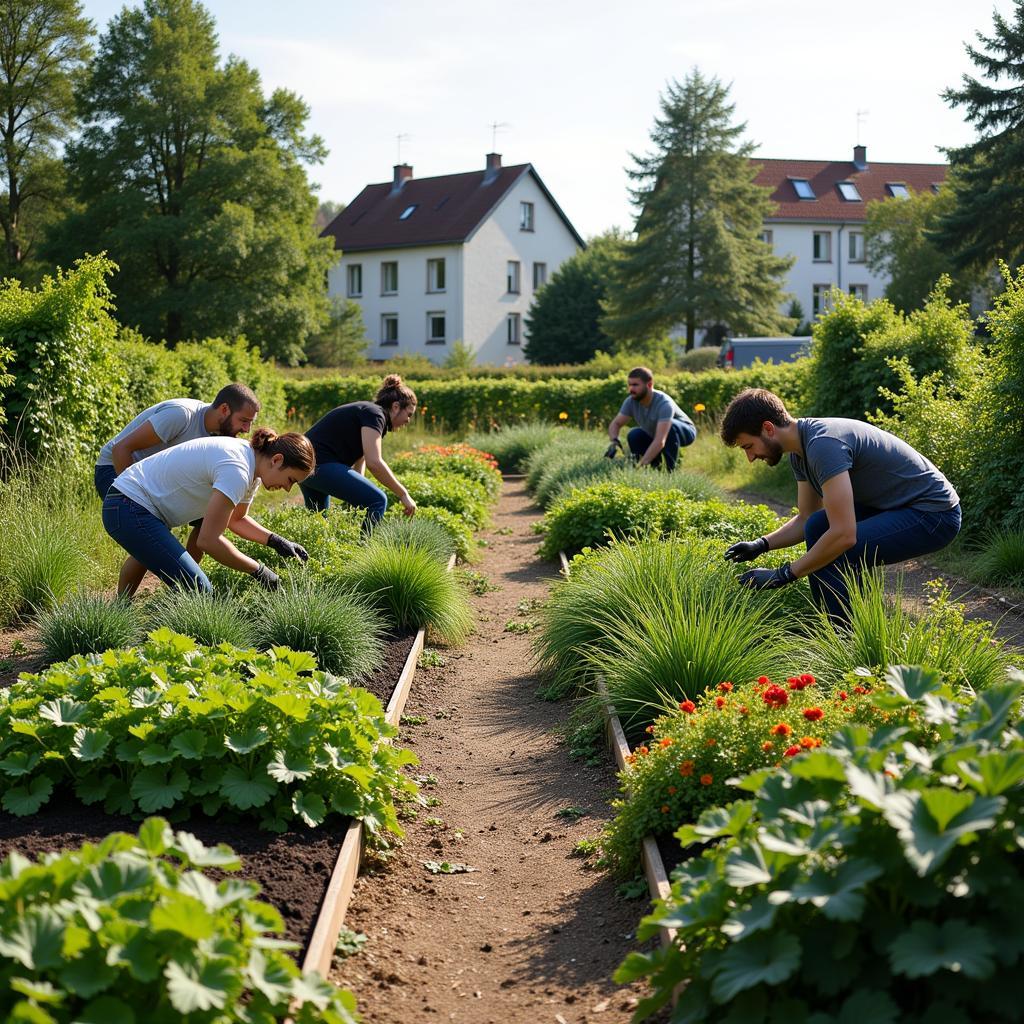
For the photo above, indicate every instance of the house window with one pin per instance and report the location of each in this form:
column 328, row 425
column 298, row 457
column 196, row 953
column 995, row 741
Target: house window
column 512, row 328
column 526, row 216
column 848, row 190
column 354, row 275
column 856, row 246
column 768, row 237
column 435, row 329
column 512, row 277
column 435, row 276
column 408, row 211
column 897, row 189
column 389, row 329
column 540, row 275
column 859, row 291
column 822, row 302
column 822, row 246
column 389, row 278
column 803, row 189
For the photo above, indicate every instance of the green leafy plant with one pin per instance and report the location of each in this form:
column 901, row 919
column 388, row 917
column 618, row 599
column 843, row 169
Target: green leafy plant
column 46, row 568
column 513, row 445
column 209, row 619
column 171, row 725
column 445, row 867
column 572, row 814
column 431, row 658
column 349, row 943
column 875, row 878
column 416, row 532
column 477, row 582
column 87, row 624
column 458, row 494
column 692, row 484
column 460, row 459
column 520, row 626
column 132, row 924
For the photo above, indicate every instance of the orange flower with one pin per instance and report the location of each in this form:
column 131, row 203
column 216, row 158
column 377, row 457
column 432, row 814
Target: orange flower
column 792, row 751
column 666, row 742
column 706, row 780
column 767, row 745
column 664, row 808
column 719, row 703
column 781, row 729
column 742, row 709
column 688, row 706
column 699, row 407
column 725, row 687
column 671, row 790
column 642, row 751
column 686, row 768
column 563, row 415
column 842, row 695
column 809, row 742
column 813, row 714
column 710, row 743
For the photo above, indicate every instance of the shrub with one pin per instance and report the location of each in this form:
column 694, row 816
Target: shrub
column 150, row 373
column 411, row 588
column 209, row 619
column 692, row 484
column 460, row 459
column 699, row 360
column 689, row 759
column 458, row 494
column 873, row 879
column 586, row 517
column 340, row 630
column 511, row 446
column 99, row 932
column 87, row 624
column 211, row 730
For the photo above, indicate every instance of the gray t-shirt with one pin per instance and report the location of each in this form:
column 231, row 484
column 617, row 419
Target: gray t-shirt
column 647, row 417
column 885, row 472
column 173, row 421
column 177, row 483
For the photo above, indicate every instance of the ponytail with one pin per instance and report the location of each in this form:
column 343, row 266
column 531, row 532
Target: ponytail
column 296, row 448
column 393, row 390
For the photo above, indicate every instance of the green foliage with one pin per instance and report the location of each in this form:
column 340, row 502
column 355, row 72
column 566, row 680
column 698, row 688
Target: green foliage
column 460, row 357
column 699, row 360
column 343, row 342
column 98, row 933
column 513, row 445
column 459, row 459
column 872, row 879
column 401, row 531
column 586, row 518
column 564, row 323
column 150, row 373
column 45, row 568
column 87, row 624
column 1000, row 560
column 209, row 619
column 65, row 392
column 690, row 483
column 690, row 757
column 455, row 492
column 697, row 259
column 458, row 531
column 219, row 731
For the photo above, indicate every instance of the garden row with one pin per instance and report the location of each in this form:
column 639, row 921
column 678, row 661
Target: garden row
column 845, row 829
column 252, row 736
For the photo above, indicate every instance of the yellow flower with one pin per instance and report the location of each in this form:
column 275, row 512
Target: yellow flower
column 699, row 407
column 563, row 415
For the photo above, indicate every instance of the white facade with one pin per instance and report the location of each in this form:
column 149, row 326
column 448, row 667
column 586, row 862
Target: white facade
column 476, row 302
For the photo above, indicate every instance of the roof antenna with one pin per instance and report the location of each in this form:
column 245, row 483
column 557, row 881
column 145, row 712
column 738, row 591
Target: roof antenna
column 497, row 126
column 862, row 116
column 400, row 138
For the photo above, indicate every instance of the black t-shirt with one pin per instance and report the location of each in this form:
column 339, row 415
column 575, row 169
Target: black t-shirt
column 337, row 436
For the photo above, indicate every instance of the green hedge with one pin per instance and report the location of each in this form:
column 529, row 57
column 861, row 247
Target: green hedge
column 471, row 403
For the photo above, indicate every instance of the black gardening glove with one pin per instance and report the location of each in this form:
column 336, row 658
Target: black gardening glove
column 267, row 578
column 767, row 579
column 616, row 445
column 746, row 550
column 287, row 548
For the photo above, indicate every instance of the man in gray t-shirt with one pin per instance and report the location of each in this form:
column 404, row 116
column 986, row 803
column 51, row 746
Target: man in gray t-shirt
column 662, row 428
column 864, row 497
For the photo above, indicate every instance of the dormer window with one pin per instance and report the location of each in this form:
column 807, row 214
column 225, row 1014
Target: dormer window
column 408, row 211
column 897, row 189
column 803, row 189
column 848, row 190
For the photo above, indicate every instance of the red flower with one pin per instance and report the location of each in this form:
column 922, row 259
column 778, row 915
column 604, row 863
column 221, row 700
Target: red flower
column 775, row 697
column 860, row 689
column 686, row 768
column 781, row 729
column 642, row 750
column 706, row 780
column 742, row 709
column 719, row 702
column 763, row 680
column 710, row 743
column 792, row 751
column 725, row 687
column 688, row 706
column 842, row 695
column 649, row 730
column 671, row 790
column 767, row 745
column 813, row 714
column 807, row 679
column 666, row 742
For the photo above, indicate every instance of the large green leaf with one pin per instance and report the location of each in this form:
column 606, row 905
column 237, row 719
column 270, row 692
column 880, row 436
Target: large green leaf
column 863, row 1007
column 271, row 978
column 190, row 744
column 106, row 1010
column 248, row 740
column 64, row 711
column 90, row 744
column 155, row 835
column 19, row 762
column 290, row 705
column 993, row 772
column 746, row 866
column 39, row 991
column 196, row 988
column 309, row 807
column 756, row 916
column 88, row 975
column 156, row 753
column 290, row 766
column 27, row 799
column 913, row 682
column 184, row 914
column 35, row 939
column 202, row 856
column 763, row 959
column 243, row 790
column 155, row 788
column 954, row 946
column 838, row 895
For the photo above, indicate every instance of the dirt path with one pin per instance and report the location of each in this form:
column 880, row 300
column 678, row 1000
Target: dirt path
column 531, row 935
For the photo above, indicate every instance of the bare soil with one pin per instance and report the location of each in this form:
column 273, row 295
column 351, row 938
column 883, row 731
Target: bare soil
column 531, row 933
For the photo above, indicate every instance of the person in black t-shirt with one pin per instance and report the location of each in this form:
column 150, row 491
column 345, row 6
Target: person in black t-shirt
column 348, row 438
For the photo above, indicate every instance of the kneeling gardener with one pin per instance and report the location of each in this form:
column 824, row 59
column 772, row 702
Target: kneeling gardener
column 662, row 428
column 864, row 497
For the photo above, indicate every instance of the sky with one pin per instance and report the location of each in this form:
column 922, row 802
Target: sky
column 575, row 85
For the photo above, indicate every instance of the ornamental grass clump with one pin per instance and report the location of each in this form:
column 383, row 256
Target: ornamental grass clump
column 1000, row 559
column 418, row 532
column 133, row 928
column 339, row 628
column 87, row 624
column 42, row 565
column 512, row 446
column 688, row 756
column 209, row 619
column 876, row 878
column 218, row 731
column 568, row 455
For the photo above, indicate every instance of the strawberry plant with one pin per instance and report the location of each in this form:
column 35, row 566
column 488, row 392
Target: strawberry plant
column 876, row 878
column 131, row 929
column 175, row 726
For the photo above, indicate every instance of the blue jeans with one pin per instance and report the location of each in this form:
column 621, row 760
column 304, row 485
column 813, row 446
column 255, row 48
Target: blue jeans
column 151, row 542
column 680, row 435
column 883, row 538
column 336, row 480
column 103, row 477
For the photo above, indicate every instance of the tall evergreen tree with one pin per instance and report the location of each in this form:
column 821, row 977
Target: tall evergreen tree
column 193, row 181
column 43, row 45
column 697, row 259
column 987, row 220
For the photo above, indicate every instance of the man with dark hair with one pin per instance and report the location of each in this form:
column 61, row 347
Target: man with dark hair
column 662, row 428
column 864, row 497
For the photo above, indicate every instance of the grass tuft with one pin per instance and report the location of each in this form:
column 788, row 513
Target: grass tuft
column 87, row 624
column 209, row 619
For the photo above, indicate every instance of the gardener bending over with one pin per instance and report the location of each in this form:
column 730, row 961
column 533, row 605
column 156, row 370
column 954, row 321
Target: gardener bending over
column 662, row 428
column 349, row 437
column 864, row 497
column 214, row 480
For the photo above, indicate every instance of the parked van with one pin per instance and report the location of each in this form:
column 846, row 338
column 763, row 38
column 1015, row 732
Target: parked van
column 738, row 353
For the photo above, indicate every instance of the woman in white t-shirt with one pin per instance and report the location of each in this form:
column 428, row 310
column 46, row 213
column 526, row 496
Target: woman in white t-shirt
column 213, row 479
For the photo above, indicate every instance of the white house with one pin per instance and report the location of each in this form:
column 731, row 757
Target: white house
column 459, row 256
column 819, row 217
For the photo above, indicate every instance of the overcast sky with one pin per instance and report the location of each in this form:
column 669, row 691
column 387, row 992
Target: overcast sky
column 576, row 84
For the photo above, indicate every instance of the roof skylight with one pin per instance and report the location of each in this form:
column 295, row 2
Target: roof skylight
column 848, row 190
column 408, row 211
column 898, row 189
column 803, row 189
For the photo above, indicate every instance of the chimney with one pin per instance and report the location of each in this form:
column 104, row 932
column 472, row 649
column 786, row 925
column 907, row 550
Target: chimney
column 403, row 172
column 493, row 166
column 860, row 157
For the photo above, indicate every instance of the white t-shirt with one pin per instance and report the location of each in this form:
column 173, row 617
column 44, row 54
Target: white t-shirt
column 174, row 421
column 176, row 484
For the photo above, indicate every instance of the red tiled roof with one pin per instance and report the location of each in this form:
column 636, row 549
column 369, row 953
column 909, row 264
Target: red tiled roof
column 449, row 208
column 824, row 175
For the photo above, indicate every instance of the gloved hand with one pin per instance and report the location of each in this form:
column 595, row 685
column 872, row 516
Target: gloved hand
column 767, row 579
column 746, row 550
column 612, row 448
column 287, row 548
column 266, row 578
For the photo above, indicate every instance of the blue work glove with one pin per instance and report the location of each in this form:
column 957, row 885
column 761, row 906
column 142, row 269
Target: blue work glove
column 746, row 550
column 287, row 548
column 767, row 579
